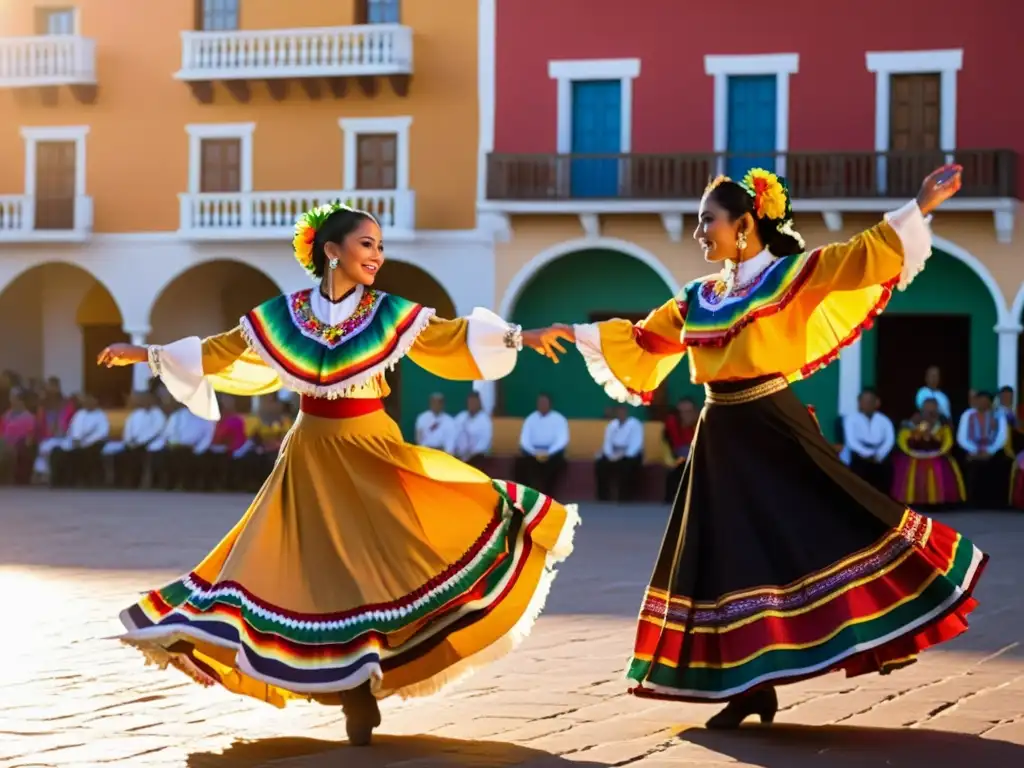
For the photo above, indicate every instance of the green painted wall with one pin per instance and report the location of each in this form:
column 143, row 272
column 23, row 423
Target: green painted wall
column 568, row 290
column 822, row 391
column 946, row 286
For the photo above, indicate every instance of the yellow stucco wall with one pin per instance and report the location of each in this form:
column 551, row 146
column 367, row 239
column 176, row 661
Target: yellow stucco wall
column 137, row 148
column 532, row 235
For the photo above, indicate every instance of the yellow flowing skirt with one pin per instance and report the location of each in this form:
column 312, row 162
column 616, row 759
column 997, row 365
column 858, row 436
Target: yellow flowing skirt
column 361, row 558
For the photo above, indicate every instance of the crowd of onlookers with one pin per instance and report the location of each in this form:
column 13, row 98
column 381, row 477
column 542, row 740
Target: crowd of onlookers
column 50, row 438
column 934, row 458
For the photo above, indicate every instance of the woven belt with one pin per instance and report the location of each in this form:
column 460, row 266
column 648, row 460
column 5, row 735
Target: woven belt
column 749, row 395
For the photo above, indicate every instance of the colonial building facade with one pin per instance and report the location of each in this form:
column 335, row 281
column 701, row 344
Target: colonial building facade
column 598, row 139
column 154, row 156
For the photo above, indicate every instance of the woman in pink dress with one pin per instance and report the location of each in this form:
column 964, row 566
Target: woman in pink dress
column 17, row 442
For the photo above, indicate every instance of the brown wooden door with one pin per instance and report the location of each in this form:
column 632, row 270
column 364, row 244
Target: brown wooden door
column 915, row 127
column 377, row 161
column 907, row 346
column 111, row 386
column 221, row 165
column 55, row 185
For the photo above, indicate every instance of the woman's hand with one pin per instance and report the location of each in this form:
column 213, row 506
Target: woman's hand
column 938, row 187
column 122, row 354
column 544, row 341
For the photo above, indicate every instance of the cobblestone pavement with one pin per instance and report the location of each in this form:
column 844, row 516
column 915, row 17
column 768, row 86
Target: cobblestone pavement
column 71, row 696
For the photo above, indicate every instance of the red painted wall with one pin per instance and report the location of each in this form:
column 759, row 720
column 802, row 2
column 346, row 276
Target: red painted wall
column 832, row 98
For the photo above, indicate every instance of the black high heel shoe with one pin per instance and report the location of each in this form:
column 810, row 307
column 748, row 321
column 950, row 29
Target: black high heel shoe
column 362, row 715
column 764, row 703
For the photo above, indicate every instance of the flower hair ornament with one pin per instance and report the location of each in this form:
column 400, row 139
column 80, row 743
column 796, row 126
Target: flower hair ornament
column 306, row 227
column 771, row 199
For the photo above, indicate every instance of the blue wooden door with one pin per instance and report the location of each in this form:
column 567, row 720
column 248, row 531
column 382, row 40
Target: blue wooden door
column 752, row 126
column 596, row 129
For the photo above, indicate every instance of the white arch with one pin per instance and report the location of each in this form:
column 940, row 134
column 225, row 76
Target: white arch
column 1003, row 314
column 24, row 269
column 537, row 263
column 185, row 268
column 850, row 378
column 1018, row 306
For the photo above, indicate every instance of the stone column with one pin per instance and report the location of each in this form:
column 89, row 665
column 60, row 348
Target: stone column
column 1006, row 367
column 140, row 372
column 849, row 378
column 488, row 391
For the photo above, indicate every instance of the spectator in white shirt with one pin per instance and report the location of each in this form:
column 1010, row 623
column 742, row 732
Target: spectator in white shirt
column 543, row 440
column 473, row 432
column 869, row 437
column 78, row 459
column 143, row 431
column 435, row 428
column 188, row 437
column 981, row 436
column 930, row 390
column 622, row 456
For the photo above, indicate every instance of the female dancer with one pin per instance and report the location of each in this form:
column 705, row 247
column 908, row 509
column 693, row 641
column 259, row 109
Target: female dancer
column 779, row 563
column 365, row 566
column 925, row 472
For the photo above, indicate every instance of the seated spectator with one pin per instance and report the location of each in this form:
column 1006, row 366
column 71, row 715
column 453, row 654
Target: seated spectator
column 257, row 456
column 930, row 390
column 680, row 427
column 925, row 474
column 143, row 433
column 55, row 413
column 622, row 457
column 435, row 428
column 870, row 438
column 473, row 432
column 185, row 440
column 18, row 431
column 981, row 437
column 77, row 459
column 542, row 442
column 228, row 439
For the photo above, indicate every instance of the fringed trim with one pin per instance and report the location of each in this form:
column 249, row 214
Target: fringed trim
column 588, row 342
column 465, row 668
column 349, row 385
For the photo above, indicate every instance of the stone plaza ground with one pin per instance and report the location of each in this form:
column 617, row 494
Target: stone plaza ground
column 72, row 696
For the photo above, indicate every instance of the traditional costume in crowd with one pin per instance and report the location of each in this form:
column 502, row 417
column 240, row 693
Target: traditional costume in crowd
column 364, row 559
column 779, row 563
column 925, row 474
column 982, row 436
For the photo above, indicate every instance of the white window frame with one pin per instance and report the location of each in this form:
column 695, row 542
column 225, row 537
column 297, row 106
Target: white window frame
column 354, row 127
column 59, row 9
column 34, row 135
column 947, row 63
column 782, row 65
column 199, row 131
column 567, row 72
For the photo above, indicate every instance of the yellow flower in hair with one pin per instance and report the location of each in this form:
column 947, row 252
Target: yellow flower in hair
column 305, row 232
column 768, row 192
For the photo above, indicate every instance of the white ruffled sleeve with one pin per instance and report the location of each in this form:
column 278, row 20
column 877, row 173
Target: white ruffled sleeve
column 491, row 342
column 912, row 227
column 180, row 366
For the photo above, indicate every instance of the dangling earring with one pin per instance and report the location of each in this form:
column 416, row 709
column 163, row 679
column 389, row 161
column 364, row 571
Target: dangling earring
column 741, row 241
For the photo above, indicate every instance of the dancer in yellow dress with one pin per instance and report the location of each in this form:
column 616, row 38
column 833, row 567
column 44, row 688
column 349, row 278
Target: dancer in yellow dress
column 365, row 566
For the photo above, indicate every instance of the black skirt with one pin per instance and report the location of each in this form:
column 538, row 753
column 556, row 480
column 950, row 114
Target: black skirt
column 779, row 563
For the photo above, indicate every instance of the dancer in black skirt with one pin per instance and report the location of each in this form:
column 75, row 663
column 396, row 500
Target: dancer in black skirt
column 779, row 563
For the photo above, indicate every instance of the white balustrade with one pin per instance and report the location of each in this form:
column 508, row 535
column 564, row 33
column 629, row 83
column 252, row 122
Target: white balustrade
column 18, row 221
column 262, row 215
column 47, row 60
column 367, row 49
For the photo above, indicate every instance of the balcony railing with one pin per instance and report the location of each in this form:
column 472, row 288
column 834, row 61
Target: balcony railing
column 28, row 219
column 263, row 215
column 369, row 49
column 988, row 174
column 47, row 60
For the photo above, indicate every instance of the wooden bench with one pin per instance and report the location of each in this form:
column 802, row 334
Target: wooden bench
column 586, row 437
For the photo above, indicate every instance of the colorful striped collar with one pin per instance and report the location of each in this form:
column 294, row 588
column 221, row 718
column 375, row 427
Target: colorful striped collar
column 321, row 359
